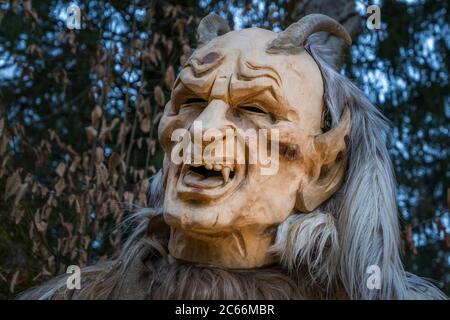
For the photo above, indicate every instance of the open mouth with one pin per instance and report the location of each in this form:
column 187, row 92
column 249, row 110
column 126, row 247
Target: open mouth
column 200, row 181
column 208, row 176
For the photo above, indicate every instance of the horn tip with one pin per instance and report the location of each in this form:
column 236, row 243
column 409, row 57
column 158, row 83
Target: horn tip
column 348, row 38
column 211, row 26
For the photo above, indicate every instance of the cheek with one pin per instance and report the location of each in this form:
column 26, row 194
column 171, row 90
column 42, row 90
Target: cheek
column 271, row 199
column 296, row 150
column 289, row 151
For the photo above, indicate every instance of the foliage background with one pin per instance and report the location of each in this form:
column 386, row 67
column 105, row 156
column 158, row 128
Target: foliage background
column 79, row 111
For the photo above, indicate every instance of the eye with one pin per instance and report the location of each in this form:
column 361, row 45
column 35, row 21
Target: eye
column 253, row 109
column 191, row 104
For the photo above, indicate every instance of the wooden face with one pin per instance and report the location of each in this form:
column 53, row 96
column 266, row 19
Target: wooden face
column 232, row 83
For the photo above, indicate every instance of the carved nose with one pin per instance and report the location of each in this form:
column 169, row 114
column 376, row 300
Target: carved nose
column 212, row 120
column 213, row 116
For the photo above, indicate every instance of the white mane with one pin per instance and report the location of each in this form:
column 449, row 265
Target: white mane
column 358, row 227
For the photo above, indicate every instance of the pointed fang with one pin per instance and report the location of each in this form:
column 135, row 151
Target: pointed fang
column 225, row 174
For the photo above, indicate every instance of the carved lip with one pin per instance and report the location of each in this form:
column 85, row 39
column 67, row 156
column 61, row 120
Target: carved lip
column 195, row 182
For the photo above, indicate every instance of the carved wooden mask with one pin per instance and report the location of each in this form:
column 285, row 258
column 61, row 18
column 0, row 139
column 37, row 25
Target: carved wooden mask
column 226, row 214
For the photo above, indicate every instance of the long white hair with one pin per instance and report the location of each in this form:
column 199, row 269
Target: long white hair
column 358, row 227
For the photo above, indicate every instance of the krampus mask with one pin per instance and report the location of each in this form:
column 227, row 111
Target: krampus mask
column 226, row 212
column 307, row 212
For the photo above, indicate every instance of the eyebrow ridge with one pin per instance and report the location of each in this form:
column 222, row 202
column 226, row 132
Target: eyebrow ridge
column 201, row 68
column 270, row 72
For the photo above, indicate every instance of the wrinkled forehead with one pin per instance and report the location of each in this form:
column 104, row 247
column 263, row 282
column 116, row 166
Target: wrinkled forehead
column 246, row 41
column 294, row 79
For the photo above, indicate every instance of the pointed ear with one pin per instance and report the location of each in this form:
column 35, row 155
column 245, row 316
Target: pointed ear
column 330, row 159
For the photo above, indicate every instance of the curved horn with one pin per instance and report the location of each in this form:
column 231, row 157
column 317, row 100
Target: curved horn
column 296, row 34
column 210, row 27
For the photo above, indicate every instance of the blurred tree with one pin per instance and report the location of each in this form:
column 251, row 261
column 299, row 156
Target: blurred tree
column 79, row 125
column 403, row 67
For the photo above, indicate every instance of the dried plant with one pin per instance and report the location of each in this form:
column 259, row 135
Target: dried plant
column 63, row 199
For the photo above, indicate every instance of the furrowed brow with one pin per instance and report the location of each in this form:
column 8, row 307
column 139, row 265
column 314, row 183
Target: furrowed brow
column 252, row 79
column 205, row 64
column 244, row 88
column 198, row 75
column 254, row 71
column 259, row 83
column 200, row 85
